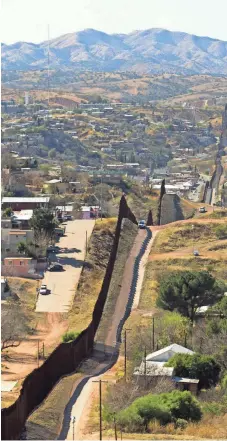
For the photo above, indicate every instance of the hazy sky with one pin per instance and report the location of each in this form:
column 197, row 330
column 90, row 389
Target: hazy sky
column 26, row 20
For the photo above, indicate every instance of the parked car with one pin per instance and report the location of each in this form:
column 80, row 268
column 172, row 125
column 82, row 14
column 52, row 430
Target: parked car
column 196, row 253
column 202, row 210
column 67, row 217
column 142, row 224
column 43, row 290
column 55, row 267
column 53, row 249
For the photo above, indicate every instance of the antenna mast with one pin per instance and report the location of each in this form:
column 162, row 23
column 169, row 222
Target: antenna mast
column 48, row 64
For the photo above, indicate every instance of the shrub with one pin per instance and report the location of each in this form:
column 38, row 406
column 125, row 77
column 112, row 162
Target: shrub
column 182, row 405
column 203, row 367
column 129, row 420
column 224, row 381
column 163, row 408
column 181, row 423
column 70, row 336
column 149, row 408
column 221, row 232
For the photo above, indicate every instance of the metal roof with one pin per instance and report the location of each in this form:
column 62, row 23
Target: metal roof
column 43, row 199
column 178, row 349
column 154, row 369
column 186, row 380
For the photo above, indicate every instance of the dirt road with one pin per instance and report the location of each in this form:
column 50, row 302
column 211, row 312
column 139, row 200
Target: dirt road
column 83, row 398
column 63, row 284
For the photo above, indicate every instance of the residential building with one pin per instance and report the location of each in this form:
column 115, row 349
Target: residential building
column 25, row 203
column 153, row 369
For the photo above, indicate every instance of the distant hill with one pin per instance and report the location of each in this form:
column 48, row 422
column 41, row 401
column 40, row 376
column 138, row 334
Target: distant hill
column 149, row 51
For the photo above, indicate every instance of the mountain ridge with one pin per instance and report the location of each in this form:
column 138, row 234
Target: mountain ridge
column 154, row 50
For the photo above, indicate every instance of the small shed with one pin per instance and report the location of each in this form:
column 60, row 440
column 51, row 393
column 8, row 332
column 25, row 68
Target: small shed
column 190, row 384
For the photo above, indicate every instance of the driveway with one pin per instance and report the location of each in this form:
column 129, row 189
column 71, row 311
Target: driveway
column 71, row 255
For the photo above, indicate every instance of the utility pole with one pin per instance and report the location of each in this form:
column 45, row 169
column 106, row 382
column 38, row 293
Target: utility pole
column 38, row 354
column 48, row 63
column 153, row 333
column 86, row 242
column 125, row 344
column 73, row 419
column 43, row 351
column 101, row 192
column 115, row 427
column 100, row 405
column 145, row 366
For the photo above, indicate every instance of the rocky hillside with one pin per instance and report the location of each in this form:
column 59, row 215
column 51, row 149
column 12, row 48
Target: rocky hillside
column 149, row 51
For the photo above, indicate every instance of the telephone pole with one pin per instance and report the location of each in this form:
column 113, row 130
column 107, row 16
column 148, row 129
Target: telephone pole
column 100, row 405
column 86, row 244
column 38, row 354
column 153, row 333
column 73, row 419
column 145, row 366
column 125, row 344
column 115, row 427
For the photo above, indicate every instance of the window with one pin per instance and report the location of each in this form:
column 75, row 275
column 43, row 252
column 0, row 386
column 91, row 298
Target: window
column 21, row 263
column 10, row 262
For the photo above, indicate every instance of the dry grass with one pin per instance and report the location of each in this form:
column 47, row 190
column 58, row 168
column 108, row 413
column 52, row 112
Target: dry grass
column 92, row 274
column 176, row 237
column 45, row 422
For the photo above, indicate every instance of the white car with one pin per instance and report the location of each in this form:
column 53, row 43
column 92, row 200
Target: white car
column 43, row 290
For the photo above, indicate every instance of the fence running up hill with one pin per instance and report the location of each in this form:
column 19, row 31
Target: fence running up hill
column 65, row 358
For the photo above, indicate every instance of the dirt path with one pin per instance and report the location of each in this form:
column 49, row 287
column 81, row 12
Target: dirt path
column 142, row 271
column 22, row 360
column 85, row 399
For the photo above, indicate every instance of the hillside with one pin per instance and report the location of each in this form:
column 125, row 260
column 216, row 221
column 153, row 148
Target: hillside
column 148, row 51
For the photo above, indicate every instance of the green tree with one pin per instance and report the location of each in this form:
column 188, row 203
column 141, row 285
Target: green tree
column 187, row 291
column 203, row 367
column 21, row 248
column 43, row 223
column 52, row 153
column 7, row 212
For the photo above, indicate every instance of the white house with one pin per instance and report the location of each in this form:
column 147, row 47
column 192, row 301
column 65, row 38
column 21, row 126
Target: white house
column 155, row 362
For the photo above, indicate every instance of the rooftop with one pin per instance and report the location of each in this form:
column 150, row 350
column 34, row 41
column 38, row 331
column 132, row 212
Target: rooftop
column 175, row 348
column 41, row 199
column 154, row 369
column 185, row 380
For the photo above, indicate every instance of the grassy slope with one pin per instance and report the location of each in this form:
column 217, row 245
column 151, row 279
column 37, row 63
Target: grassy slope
column 45, row 422
column 92, row 275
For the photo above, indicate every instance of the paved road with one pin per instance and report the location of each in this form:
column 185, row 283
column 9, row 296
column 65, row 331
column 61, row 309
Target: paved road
column 63, row 284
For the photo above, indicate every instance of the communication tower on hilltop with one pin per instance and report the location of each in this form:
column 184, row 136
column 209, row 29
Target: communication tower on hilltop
column 26, row 98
